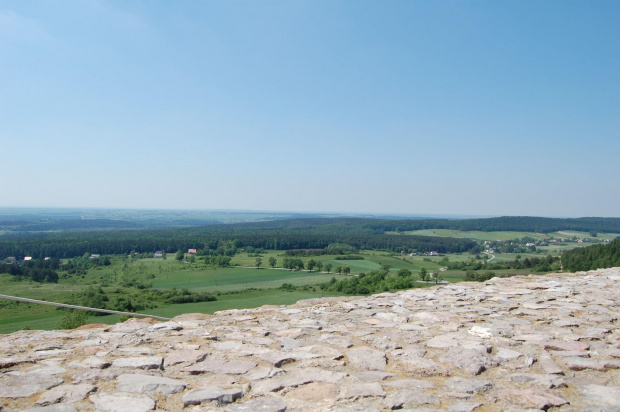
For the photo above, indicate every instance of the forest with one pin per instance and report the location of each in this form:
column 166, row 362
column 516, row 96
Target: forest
column 505, row 223
column 286, row 234
column 592, row 257
column 276, row 235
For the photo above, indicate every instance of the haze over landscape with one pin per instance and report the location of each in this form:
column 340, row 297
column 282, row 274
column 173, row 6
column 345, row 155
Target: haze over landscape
column 468, row 108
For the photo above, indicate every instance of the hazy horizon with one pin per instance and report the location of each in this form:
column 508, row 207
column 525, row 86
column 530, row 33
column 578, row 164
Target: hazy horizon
column 477, row 108
column 295, row 212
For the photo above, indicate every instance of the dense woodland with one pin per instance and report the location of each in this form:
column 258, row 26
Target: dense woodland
column 282, row 235
column 289, row 234
column 593, row 257
column 506, row 223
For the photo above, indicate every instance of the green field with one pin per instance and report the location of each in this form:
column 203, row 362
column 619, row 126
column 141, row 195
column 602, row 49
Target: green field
column 234, row 287
column 228, row 279
column 238, row 286
column 34, row 316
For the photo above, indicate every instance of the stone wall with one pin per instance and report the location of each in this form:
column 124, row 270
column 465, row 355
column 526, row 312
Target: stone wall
column 523, row 343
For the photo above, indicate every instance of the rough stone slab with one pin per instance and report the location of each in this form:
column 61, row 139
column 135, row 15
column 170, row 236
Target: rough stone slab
column 462, row 406
column 543, row 381
column 315, row 392
column 22, row 386
column 184, row 356
column 59, row 407
column 211, row 393
column 149, row 384
column 556, row 345
column 373, row 376
column 423, row 367
column 277, row 359
column 507, row 354
column 578, row 364
column 549, row 365
column 141, row 362
column 166, row 326
column 459, row 384
column 409, row 383
column 123, row 402
column 320, row 375
column 470, row 360
column 603, row 395
column 366, row 358
column 532, row 398
column 360, row 390
column 66, row 393
column 259, row 405
column 12, row 361
column 405, row 398
column 231, row 367
column 94, row 362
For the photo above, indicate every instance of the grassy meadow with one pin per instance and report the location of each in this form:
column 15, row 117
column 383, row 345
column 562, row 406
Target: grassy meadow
column 241, row 285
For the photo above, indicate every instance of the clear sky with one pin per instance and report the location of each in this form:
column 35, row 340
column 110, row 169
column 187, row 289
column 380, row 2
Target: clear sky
column 438, row 107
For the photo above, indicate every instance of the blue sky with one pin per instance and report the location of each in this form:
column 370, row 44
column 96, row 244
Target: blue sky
column 438, row 107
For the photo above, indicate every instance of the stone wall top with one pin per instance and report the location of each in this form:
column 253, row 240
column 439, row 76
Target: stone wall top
column 521, row 343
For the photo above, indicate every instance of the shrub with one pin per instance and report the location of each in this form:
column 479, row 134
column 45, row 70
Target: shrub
column 73, row 319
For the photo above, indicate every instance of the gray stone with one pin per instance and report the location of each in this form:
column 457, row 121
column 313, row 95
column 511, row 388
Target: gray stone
column 184, row 356
column 141, row 362
column 602, row 395
column 556, row 345
column 372, row 376
column 423, row 367
column 12, row 361
column 532, row 398
column 578, row 364
column 549, row 366
column 365, row 358
column 59, row 407
column 404, row 398
column 276, row 358
column 165, row 326
column 94, row 362
column 508, row 354
column 409, row 383
column 462, row 406
column 469, row 360
column 211, row 393
column 123, row 402
column 315, row 392
column 149, row 384
column 231, row 367
column 467, row 385
column 258, row 405
column 66, row 393
column 360, row 390
column 24, row 385
column 544, row 381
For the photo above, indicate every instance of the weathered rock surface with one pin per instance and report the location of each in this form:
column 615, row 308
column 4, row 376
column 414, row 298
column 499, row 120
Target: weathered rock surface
column 522, row 343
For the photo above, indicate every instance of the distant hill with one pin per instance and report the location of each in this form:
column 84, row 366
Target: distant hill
column 505, row 223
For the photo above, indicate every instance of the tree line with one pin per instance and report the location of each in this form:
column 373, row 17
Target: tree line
column 317, row 234
column 505, row 223
column 592, row 257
